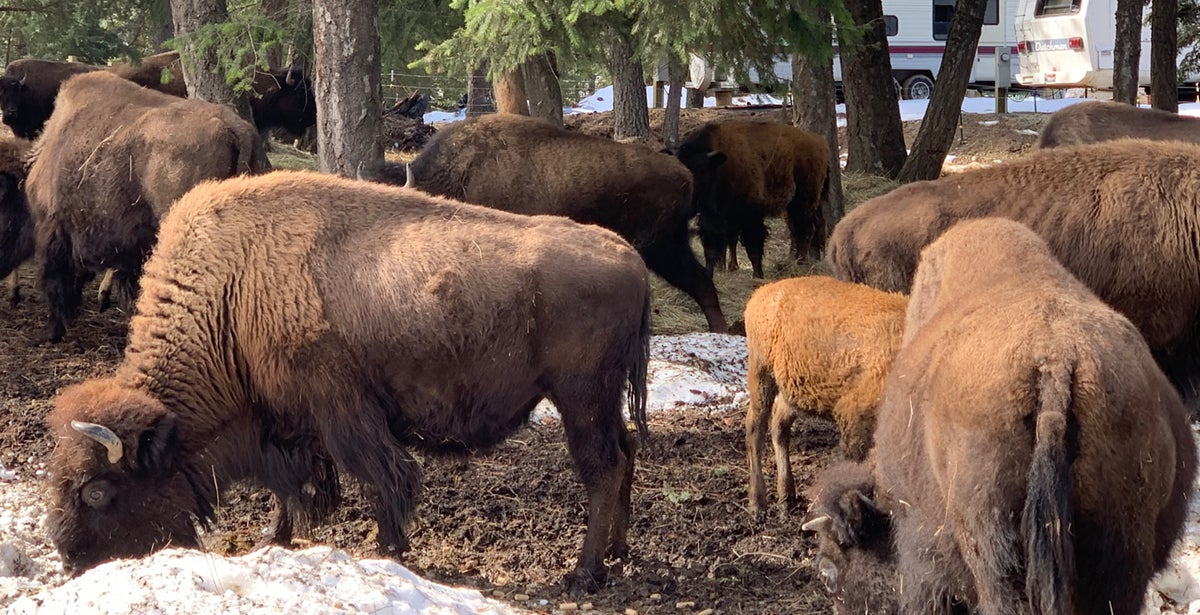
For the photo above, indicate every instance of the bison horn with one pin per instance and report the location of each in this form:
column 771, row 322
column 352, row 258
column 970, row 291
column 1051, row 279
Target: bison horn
column 816, row 524
column 410, row 181
column 103, row 435
column 291, row 76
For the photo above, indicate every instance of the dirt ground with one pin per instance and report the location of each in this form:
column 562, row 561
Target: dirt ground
column 511, row 521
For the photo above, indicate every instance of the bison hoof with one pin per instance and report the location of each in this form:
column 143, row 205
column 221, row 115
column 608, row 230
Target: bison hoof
column 581, row 581
column 55, row 330
column 14, row 298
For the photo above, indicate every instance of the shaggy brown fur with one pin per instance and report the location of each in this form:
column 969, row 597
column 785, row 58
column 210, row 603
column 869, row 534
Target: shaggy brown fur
column 528, row 166
column 1123, row 216
column 97, row 189
column 1096, row 121
column 819, row 346
column 292, row 318
column 1030, row 453
column 16, row 225
column 27, row 91
column 747, row 171
column 162, row 72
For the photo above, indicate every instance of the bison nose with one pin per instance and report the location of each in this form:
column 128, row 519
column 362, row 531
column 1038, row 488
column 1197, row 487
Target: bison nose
column 70, row 569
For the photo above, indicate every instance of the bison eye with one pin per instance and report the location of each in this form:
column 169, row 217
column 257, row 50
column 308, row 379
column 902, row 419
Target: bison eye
column 95, row 494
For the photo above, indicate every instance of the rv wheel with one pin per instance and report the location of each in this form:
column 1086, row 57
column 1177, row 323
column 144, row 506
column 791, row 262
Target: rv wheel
column 899, row 90
column 918, row 87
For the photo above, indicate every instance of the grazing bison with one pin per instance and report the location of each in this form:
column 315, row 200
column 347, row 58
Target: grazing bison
column 818, row 346
column 1120, row 215
column 746, row 171
column 1092, row 122
column 97, row 189
column 290, row 315
column 27, row 91
column 16, row 226
column 1029, row 453
column 528, row 166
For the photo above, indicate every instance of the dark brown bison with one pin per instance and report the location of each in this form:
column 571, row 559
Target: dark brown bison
column 27, row 91
column 528, row 166
column 747, row 171
column 1029, row 454
column 1095, row 121
column 278, row 99
column 1121, row 215
column 16, row 225
column 97, row 189
column 292, row 318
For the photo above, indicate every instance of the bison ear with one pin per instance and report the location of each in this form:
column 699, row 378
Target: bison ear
column 716, row 159
column 158, row 446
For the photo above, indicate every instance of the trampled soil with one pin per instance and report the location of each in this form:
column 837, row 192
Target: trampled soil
column 511, row 521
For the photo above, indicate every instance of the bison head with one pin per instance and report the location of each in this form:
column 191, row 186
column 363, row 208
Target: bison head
column 12, row 89
column 284, row 99
column 705, row 164
column 117, row 486
column 16, row 225
column 855, row 559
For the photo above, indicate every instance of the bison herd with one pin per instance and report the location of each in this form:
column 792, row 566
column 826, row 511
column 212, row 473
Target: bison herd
column 1006, row 353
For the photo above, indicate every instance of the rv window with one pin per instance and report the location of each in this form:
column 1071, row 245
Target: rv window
column 1056, row 7
column 991, row 14
column 943, row 14
column 891, row 24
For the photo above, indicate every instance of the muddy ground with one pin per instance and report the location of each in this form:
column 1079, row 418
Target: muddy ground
column 510, row 521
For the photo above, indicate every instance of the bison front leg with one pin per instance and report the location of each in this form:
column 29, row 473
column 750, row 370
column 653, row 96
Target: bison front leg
column 672, row 258
column 62, row 284
column 305, row 484
column 597, row 441
column 758, row 416
column 754, row 236
column 14, row 288
column 387, row 472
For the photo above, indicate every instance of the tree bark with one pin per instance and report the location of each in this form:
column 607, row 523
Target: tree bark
column 508, row 89
column 478, row 102
column 543, row 88
column 945, row 104
column 201, row 72
column 814, row 108
column 1164, row 53
column 631, row 115
column 274, row 10
column 1127, row 50
column 346, row 42
column 875, row 137
column 670, row 127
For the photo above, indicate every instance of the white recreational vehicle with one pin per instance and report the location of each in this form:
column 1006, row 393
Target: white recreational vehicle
column 1069, row 43
column 917, row 32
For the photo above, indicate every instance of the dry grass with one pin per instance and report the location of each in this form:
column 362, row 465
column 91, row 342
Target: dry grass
column 674, row 312
column 284, row 156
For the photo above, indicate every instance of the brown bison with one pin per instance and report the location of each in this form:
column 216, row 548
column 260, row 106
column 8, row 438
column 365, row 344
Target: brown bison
column 1030, row 455
column 817, row 346
column 97, row 189
column 16, row 225
column 1120, row 215
column 1095, row 121
column 747, row 171
column 293, row 318
column 27, row 91
column 161, row 71
column 528, row 166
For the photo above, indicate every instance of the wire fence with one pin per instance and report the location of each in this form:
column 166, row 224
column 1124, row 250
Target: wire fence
column 448, row 93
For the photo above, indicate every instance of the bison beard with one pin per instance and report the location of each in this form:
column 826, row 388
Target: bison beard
column 293, row 321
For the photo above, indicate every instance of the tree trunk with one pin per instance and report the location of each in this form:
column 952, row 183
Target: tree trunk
column 945, row 104
column 162, row 26
column 1127, row 50
column 275, row 10
column 695, row 99
column 631, row 116
column 542, row 86
column 670, row 128
column 508, row 89
column 814, row 108
column 478, row 93
column 875, row 137
column 346, row 45
column 204, row 78
column 1164, row 52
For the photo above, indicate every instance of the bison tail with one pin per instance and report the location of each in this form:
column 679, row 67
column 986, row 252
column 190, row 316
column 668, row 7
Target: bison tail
column 639, row 362
column 1046, row 521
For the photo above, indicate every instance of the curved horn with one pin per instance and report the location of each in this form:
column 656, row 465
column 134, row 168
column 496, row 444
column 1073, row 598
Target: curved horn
column 410, row 181
column 103, row 435
column 22, row 81
column 291, row 79
column 817, row 524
